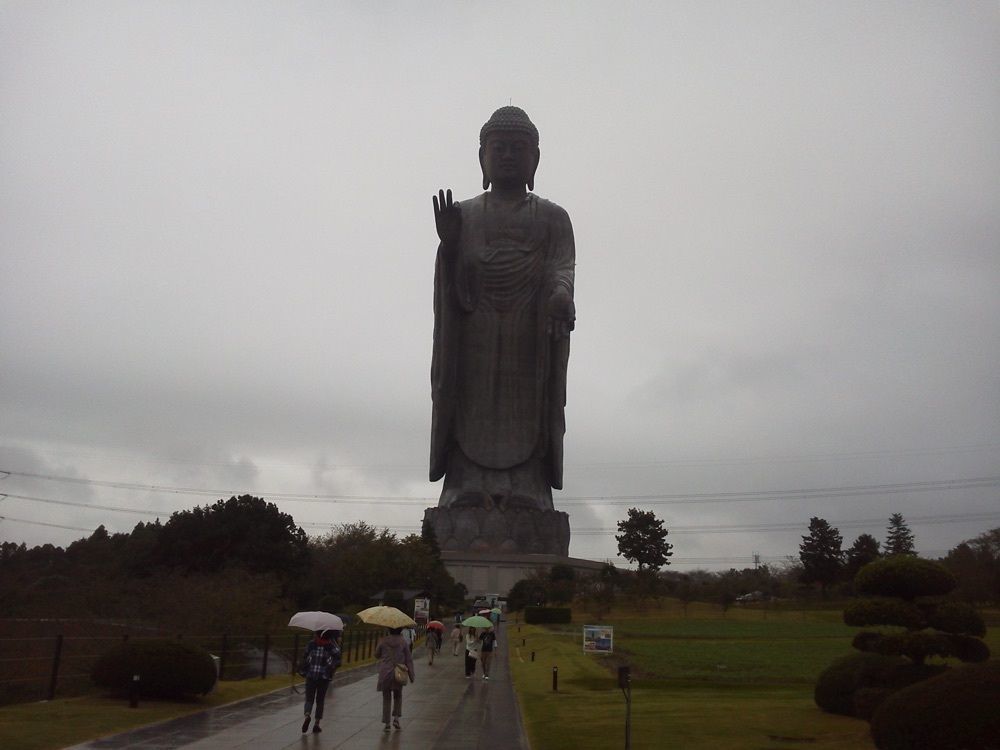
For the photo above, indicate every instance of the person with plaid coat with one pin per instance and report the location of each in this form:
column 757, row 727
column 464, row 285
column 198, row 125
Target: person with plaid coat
column 319, row 662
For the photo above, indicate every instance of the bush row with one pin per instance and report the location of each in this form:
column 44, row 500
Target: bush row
column 166, row 669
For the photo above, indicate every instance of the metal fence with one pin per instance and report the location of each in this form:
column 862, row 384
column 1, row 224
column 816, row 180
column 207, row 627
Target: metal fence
column 43, row 668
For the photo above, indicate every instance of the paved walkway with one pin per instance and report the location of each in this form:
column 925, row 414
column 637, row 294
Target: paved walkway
column 441, row 710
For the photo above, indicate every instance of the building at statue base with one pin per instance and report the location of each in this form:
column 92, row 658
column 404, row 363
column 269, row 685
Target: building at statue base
column 489, row 549
column 483, row 572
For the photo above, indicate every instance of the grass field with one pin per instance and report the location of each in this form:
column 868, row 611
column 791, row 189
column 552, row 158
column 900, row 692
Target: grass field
column 49, row 725
column 54, row 724
column 742, row 680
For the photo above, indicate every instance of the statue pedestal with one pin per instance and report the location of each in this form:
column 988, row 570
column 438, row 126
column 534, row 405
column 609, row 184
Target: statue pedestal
column 489, row 549
column 517, row 530
column 496, row 572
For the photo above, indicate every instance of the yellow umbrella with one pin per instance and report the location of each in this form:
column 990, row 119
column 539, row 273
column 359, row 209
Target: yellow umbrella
column 387, row 617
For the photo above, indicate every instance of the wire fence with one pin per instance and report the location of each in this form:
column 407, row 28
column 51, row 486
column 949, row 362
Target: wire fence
column 34, row 668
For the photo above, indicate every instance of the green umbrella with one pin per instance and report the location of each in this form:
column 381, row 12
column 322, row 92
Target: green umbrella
column 497, row 610
column 477, row 621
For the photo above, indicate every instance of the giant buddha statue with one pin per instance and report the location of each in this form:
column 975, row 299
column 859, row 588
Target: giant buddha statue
column 503, row 312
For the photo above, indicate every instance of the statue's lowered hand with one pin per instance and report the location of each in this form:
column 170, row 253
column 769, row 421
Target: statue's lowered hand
column 562, row 315
column 447, row 219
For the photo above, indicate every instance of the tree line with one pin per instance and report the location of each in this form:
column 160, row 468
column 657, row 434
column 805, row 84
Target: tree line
column 237, row 565
column 822, row 561
column 974, row 562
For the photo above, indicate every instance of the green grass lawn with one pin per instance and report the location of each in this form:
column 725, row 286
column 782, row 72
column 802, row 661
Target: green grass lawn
column 742, row 680
column 48, row 725
column 701, row 680
column 54, row 724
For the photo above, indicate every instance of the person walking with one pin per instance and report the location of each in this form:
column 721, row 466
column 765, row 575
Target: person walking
column 489, row 643
column 394, row 657
column 433, row 644
column 319, row 663
column 456, row 639
column 472, row 646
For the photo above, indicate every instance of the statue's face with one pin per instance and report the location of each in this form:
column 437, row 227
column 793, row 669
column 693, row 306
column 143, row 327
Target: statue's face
column 508, row 159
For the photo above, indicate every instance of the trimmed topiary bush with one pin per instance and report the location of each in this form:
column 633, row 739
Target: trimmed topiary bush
column 835, row 688
column 866, row 700
column 905, row 577
column 166, row 669
column 865, row 612
column 969, row 649
column 953, row 711
column 855, row 684
column 543, row 615
column 957, row 617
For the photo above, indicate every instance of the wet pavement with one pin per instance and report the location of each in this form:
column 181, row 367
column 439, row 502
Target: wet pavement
column 442, row 710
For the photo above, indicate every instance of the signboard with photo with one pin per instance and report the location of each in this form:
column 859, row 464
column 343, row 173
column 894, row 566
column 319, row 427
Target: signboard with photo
column 421, row 610
column 598, row 639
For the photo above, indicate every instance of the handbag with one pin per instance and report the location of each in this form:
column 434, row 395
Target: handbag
column 401, row 674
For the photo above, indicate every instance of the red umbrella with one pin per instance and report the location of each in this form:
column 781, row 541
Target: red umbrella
column 435, row 625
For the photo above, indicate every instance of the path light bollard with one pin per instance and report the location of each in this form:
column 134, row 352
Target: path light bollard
column 56, row 657
column 223, row 654
column 532, row 655
column 625, row 683
column 522, row 641
column 555, row 679
column 267, row 647
column 133, row 692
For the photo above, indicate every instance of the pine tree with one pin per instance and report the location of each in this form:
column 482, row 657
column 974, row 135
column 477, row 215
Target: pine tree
column 899, row 538
column 864, row 550
column 643, row 540
column 820, row 553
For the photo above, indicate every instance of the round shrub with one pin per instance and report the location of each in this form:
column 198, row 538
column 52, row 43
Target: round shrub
column 866, row 640
column 957, row 617
column 864, row 612
column 166, row 669
column 905, row 577
column 956, row 710
column 967, row 648
column 916, row 646
column 835, row 688
column 867, row 699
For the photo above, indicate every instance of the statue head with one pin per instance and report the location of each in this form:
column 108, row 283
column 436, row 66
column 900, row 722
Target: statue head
column 508, row 149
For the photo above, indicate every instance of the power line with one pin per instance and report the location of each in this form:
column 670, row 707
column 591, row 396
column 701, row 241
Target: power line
column 44, row 523
column 651, row 499
column 594, row 531
column 597, row 465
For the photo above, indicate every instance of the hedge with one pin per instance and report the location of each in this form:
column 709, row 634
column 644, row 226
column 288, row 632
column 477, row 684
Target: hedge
column 166, row 669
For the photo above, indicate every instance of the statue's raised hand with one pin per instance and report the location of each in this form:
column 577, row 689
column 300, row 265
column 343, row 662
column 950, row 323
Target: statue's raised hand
column 447, row 219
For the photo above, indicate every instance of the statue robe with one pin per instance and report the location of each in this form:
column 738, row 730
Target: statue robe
column 498, row 379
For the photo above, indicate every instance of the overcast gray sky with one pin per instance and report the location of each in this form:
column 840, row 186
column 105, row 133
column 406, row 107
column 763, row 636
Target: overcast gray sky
column 217, row 250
